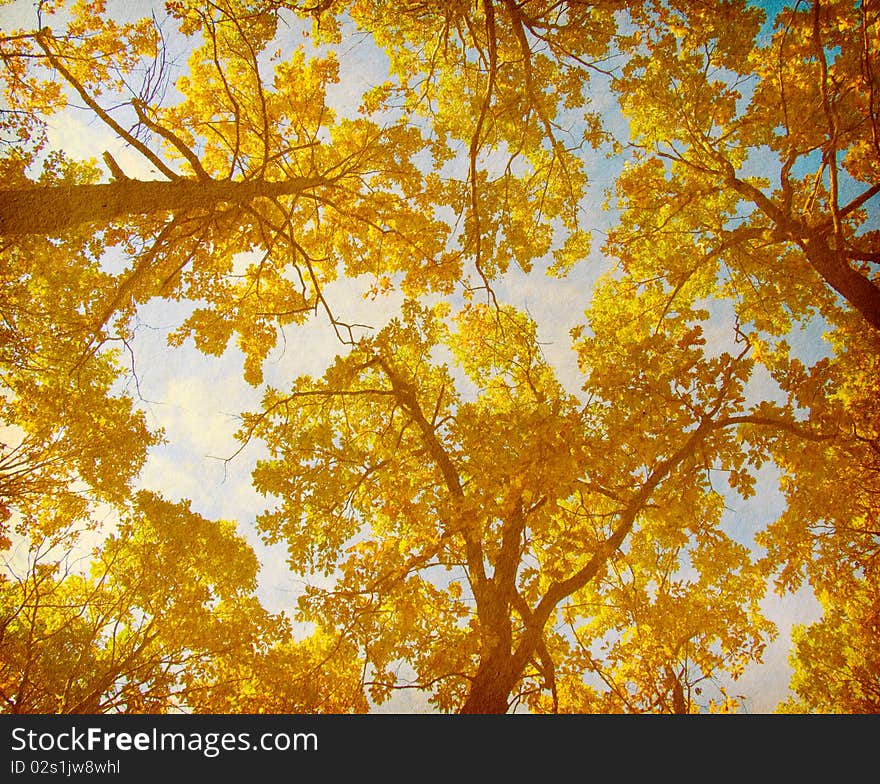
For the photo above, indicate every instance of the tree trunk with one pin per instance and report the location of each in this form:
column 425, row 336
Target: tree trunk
column 491, row 687
column 53, row 210
column 854, row 287
column 498, row 671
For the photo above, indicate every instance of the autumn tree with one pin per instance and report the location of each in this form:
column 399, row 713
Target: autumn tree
column 144, row 631
column 753, row 177
column 836, row 669
column 487, row 528
column 62, row 424
column 253, row 158
column 71, row 437
column 827, row 536
column 145, row 623
column 755, row 157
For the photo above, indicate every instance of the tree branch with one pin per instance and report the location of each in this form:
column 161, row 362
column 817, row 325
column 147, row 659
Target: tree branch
column 41, row 38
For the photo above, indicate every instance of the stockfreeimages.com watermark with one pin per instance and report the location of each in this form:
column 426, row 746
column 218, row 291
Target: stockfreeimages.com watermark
column 209, row 744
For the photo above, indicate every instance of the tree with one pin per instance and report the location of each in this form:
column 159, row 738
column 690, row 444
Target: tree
column 268, row 166
column 827, row 535
column 466, row 522
column 145, row 626
column 755, row 161
column 261, row 150
column 754, row 173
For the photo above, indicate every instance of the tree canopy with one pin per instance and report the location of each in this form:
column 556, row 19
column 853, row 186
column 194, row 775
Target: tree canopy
column 686, row 192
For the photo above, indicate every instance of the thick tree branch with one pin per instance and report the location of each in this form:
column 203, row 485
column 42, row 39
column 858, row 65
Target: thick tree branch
column 175, row 140
column 860, row 292
column 52, row 210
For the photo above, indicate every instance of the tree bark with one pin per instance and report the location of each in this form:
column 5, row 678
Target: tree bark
column 52, row 210
column 491, row 687
column 855, row 288
column 497, row 672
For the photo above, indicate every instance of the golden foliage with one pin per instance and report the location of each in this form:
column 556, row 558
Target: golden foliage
column 469, row 526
